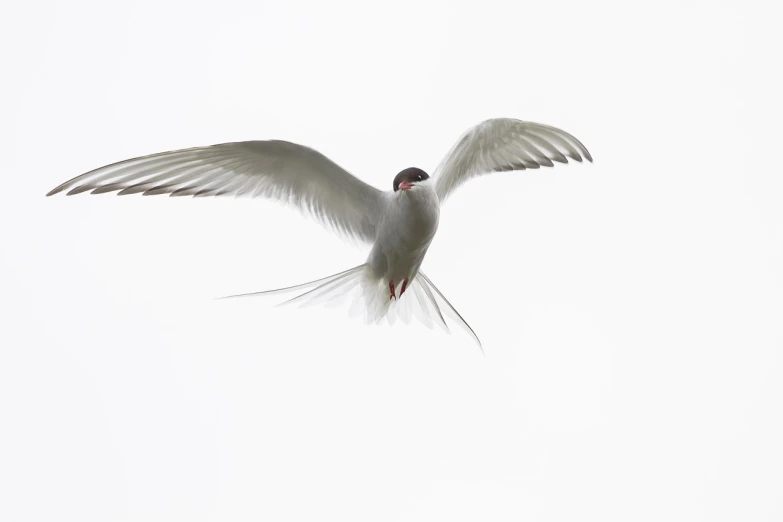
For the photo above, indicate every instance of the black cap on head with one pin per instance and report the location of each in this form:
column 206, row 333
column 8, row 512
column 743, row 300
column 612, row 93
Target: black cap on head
column 411, row 175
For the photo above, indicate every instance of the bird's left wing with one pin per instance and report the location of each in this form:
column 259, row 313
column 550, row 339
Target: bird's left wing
column 504, row 144
column 277, row 170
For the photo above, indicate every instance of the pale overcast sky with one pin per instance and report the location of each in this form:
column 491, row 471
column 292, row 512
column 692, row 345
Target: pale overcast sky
column 631, row 310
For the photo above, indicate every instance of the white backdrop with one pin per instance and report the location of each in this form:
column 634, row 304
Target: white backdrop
column 630, row 310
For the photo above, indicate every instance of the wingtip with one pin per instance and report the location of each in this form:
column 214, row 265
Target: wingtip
column 78, row 190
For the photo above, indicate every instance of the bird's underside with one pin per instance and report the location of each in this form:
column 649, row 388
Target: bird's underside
column 318, row 187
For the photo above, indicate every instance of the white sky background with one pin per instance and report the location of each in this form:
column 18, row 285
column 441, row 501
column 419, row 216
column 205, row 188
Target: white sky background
column 631, row 310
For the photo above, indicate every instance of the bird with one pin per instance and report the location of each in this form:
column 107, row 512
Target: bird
column 398, row 224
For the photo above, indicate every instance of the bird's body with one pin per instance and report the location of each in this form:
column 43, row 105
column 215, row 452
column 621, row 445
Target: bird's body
column 400, row 224
column 405, row 232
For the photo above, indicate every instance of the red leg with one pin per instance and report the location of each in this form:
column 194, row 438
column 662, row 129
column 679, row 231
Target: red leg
column 391, row 290
column 404, row 286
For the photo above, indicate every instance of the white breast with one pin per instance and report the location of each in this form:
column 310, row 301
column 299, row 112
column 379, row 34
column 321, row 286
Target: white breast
column 405, row 231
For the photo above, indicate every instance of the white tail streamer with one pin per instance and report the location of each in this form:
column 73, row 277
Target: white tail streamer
column 369, row 297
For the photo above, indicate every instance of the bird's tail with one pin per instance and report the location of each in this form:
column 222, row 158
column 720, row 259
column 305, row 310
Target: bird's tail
column 369, row 298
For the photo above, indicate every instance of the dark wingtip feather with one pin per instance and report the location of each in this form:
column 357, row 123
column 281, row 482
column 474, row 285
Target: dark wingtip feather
column 133, row 189
column 78, row 190
column 105, row 189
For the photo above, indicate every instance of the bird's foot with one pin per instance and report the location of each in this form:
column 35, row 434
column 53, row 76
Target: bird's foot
column 404, row 287
column 391, row 290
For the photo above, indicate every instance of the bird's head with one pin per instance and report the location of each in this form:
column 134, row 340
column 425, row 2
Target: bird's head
column 408, row 178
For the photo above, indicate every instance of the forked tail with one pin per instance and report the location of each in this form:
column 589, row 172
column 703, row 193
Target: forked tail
column 369, row 297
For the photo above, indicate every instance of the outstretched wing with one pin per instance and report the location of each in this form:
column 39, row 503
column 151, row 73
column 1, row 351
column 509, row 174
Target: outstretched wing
column 504, row 144
column 278, row 170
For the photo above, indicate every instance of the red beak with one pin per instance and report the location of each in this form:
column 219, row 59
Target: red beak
column 404, row 185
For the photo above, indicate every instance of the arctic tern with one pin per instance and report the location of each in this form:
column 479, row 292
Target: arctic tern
column 399, row 224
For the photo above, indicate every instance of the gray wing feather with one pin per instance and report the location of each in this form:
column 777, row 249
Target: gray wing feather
column 504, row 144
column 277, row 170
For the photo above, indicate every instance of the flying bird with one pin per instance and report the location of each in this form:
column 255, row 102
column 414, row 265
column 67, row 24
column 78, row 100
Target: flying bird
column 399, row 224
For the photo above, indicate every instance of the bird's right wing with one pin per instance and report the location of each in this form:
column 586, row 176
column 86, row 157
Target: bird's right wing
column 277, row 170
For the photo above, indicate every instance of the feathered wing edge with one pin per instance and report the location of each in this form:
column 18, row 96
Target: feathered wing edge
column 369, row 298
